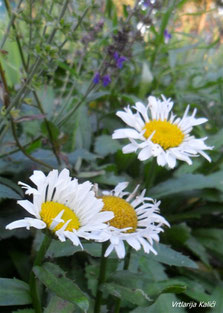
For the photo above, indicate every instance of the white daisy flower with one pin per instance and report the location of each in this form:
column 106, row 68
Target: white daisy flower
column 162, row 134
column 68, row 209
column 136, row 221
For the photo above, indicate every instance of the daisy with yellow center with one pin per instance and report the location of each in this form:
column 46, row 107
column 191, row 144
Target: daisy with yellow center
column 161, row 134
column 69, row 209
column 136, row 221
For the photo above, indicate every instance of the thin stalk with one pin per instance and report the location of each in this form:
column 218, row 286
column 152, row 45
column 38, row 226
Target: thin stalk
column 30, row 31
column 60, row 17
column 33, row 283
column 23, row 150
column 11, row 22
column 150, row 173
column 101, row 279
column 125, row 267
column 16, row 150
column 8, row 7
column 25, row 66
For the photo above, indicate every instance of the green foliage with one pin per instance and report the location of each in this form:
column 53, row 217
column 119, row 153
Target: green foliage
column 49, row 53
column 14, row 292
column 54, row 278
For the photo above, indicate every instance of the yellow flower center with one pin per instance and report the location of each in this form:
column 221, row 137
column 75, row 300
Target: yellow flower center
column 125, row 215
column 50, row 210
column 167, row 135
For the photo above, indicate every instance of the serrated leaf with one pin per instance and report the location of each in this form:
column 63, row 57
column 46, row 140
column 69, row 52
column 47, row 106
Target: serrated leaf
column 144, row 282
column 188, row 182
column 53, row 277
column 169, row 256
column 105, row 145
column 14, row 292
column 165, row 303
column 58, row 305
column 132, row 295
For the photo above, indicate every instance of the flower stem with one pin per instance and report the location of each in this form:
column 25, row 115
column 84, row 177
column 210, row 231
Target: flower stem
column 150, row 174
column 101, row 278
column 33, row 283
column 125, row 267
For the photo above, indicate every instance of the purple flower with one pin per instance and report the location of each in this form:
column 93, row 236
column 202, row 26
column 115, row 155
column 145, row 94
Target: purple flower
column 146, row 3
column 167, row 36
column 119, row 60
column 96, row 78
column 106, row 80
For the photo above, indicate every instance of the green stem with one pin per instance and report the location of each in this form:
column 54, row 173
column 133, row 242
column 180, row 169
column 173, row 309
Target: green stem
column 150, row 173
column 33, row 283
column 101, row 278
column 125, row 267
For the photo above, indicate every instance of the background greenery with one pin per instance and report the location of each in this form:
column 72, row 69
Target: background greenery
column 54, row 116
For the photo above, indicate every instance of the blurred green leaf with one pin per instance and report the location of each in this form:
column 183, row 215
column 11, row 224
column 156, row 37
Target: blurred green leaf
column 188, row 182
column 58, row 305
column 14, row 292
column 165, row 303
column 8, row 193
column 169, row 256
column 53, row 277
column 151, row 288
column 105, row 145
column 81, row 127
column 132, row 295
column 59, row 249
column 217, row 299
column 50, row 128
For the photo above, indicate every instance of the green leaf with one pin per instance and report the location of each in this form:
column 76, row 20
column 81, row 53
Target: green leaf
column 211, row 239
column 81, row 127
column 105, row 145
column 59, row 249
column 50, row 130
column 109, row 178
column 217, row 299
column 198, row 249
column 165, row 303
column 153, row 269
column 216, row 140
column 132, row 295
column 53, row 277
column 8, row 193
column 14, row 292
column 150, row 287
column 58, row 305
column 9, row 183
column 195, row 290
column 188, row 182
column 169, row 256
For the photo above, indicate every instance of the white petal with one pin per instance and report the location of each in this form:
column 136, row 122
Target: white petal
column 120, row 187
column 133, row 242
column 120, row 249
column 28, row 206
column 145, row 154
column 109, row 250
column 126, row 133
column 27, row 222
